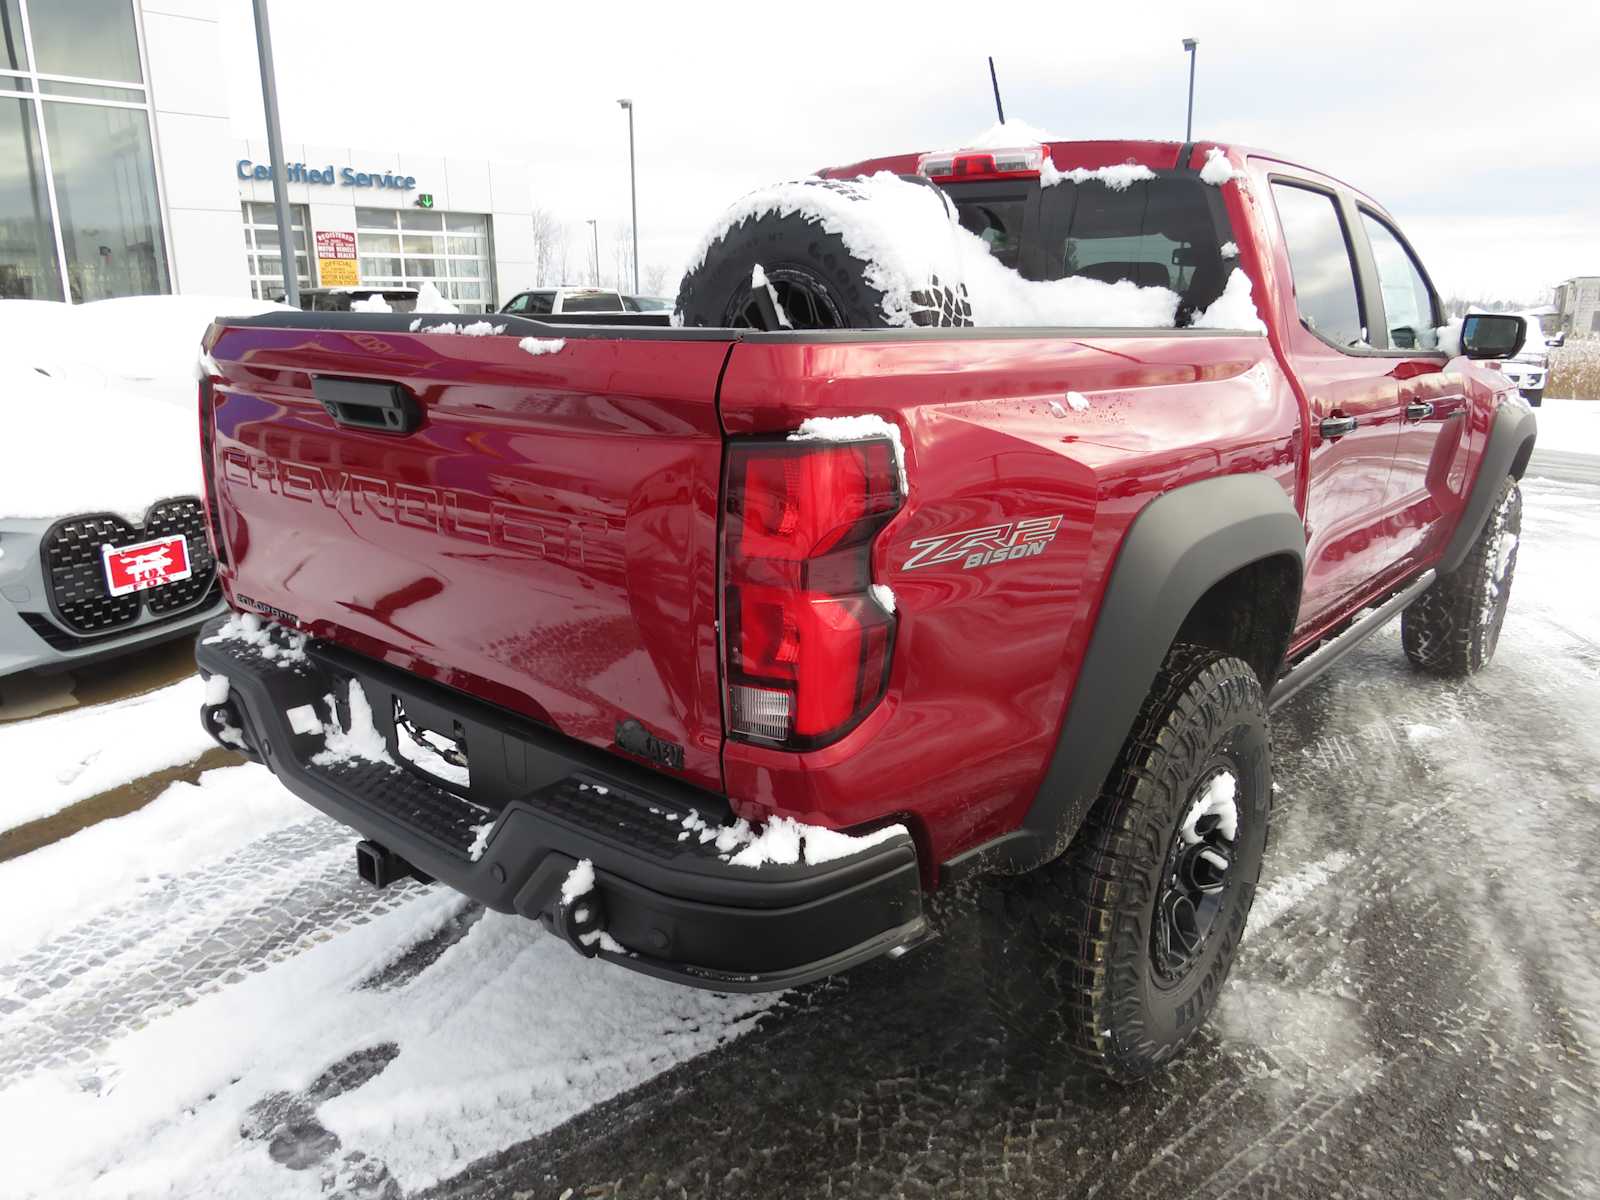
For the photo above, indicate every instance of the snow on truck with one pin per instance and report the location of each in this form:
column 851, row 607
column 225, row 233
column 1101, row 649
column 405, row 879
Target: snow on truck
column 969, row 518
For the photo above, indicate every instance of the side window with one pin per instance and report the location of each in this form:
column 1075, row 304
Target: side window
column 519, row 303
column 540, row 304
column 1407, row 302
column 1319, row 257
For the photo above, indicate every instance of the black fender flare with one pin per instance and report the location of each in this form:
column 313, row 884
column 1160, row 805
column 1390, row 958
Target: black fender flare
column 1178, row 547
column 1511, row 440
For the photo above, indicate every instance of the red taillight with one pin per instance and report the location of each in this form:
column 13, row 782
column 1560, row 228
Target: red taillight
column 806, row 645
column 1020, row 161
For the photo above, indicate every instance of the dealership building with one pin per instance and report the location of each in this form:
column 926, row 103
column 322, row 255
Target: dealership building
column 119, row 176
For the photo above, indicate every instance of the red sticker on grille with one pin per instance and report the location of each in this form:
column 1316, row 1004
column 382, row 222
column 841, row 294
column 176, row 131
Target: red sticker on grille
column 146, row 564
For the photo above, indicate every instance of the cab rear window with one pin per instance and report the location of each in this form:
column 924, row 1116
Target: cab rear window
column 1166, row 232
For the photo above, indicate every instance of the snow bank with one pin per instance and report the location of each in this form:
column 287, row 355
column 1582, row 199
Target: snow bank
column 374, row 303
column 116, row 379
column 144, row 345
column 55, row 761
column 127, row 451
column 1234, row 309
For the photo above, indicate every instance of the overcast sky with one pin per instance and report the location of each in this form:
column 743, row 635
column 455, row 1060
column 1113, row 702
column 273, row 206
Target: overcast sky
column 1476, row 124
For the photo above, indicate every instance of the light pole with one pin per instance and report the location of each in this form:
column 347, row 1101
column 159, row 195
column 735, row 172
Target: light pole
column 1190, row 45
column 595, row 230
column 280, row 186
column 633, row 192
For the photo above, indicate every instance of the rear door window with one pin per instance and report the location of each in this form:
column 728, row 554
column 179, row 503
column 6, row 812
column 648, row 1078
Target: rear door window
column 1408, row 306
column 1320, row 260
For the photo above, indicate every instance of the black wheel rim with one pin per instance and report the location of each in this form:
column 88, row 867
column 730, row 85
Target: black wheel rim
column 792, row 294
column 1196, row 879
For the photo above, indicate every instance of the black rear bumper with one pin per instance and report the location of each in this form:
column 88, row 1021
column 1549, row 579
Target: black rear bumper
column 670, row 904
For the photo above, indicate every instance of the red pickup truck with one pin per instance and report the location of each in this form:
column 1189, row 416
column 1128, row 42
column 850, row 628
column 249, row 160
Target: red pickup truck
column 718, row 647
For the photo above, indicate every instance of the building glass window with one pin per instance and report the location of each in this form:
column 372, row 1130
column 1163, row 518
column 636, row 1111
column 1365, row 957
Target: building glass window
column 92, row 39
column 28, row 269
column 13, row 52
column 409, row 247
column 80, row 213
column 106, row 194
column 263, row 254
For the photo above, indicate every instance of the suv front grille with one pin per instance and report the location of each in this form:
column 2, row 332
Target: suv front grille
column 75, row 571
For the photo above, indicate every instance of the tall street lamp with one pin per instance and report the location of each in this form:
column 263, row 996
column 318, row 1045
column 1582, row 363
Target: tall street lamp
column 1190, row 45
column 595, row 230
column 280, row 186
column 633, row 190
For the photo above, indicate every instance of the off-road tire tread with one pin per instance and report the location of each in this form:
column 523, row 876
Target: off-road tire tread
column 1443, row 630
column 1075, row 901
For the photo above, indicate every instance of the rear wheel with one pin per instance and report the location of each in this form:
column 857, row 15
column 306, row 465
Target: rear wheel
column 1454, row 626
column 1119, row 948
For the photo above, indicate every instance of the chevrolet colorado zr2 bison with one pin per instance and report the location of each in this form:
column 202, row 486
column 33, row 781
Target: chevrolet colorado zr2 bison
column 969, row 517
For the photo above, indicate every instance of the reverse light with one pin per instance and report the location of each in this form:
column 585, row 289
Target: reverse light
column 982, row 164
column 806, row 646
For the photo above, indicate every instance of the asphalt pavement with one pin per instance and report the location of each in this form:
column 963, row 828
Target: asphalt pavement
column 1414, row 1011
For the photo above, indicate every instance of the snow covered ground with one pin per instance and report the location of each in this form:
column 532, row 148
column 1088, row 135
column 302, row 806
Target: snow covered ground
column 200, row 998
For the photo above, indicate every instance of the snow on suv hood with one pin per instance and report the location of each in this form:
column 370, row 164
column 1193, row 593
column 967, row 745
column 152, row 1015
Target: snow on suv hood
column 98, row 402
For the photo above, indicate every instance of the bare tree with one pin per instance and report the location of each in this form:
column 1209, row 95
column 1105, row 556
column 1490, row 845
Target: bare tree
column 655, row 280
column 622, row 255
column 549, row 248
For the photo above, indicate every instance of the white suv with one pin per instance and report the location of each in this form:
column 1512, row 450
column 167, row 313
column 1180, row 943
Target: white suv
column 1532, row 363
column 553, row 301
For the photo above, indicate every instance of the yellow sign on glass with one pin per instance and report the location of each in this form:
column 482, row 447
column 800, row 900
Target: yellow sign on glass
column 338, row 272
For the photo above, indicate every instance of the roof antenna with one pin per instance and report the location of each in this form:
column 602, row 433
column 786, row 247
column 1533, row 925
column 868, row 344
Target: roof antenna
column 995, row 80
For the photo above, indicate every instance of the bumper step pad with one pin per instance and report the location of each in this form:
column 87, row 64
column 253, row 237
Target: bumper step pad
column 537, row 805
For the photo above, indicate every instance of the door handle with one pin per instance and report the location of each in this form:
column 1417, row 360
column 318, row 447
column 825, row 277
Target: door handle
column 1419, row 411
column 368, row 404
column 1337, row 426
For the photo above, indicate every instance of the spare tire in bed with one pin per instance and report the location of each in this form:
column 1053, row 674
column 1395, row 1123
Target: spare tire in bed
column 869, row 253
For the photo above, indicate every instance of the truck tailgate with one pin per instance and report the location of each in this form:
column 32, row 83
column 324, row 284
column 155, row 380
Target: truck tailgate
column 544, row 535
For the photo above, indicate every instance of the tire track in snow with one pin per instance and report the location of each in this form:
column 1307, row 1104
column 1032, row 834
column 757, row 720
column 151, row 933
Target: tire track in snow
column 191, row 935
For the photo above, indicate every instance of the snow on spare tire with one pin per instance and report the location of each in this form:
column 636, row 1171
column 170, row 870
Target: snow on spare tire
column 849, row 254
column 883, row 250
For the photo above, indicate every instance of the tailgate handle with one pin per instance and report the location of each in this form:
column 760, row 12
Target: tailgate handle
column 368, row 404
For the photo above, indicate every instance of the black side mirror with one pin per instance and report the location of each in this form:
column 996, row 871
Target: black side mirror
column 1492, row 335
